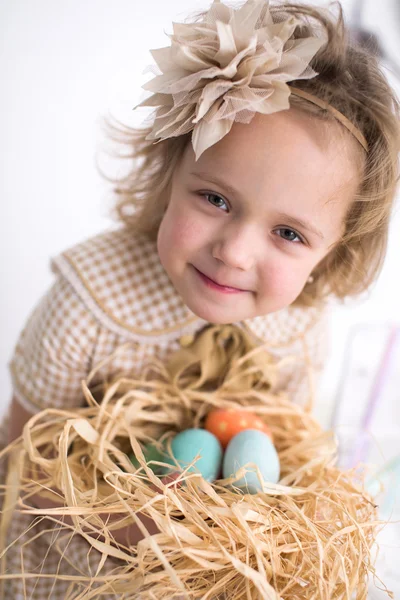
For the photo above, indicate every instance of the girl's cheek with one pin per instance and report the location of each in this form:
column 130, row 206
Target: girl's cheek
column 284, row 281
column 184, row 229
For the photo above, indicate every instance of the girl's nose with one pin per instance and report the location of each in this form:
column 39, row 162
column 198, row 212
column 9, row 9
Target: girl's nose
column 236, row 247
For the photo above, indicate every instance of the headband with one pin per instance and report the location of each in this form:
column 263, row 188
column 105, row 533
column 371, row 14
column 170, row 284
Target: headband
column 337, row 114
column 226, row 68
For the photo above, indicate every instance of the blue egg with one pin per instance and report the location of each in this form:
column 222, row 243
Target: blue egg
column 187, row 444
column 251, row 446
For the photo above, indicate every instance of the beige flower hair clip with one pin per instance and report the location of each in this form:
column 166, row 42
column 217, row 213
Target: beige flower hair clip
column 232, row 64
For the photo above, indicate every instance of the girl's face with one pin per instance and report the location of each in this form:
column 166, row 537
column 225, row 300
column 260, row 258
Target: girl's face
column 248, row 222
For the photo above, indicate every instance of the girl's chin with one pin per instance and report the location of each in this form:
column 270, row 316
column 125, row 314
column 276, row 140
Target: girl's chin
column 219, row 315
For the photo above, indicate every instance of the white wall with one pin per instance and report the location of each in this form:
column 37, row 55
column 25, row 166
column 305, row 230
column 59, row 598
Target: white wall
column 63, row 65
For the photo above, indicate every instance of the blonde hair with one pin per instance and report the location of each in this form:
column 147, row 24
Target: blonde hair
column 350, row 80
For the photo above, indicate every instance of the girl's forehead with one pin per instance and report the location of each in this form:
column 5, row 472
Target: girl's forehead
column 281, row 154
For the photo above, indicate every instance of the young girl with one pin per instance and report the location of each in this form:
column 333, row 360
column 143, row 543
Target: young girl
column 262, row 188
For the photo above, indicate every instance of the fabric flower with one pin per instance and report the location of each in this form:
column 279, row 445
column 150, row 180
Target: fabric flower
column 226, row 68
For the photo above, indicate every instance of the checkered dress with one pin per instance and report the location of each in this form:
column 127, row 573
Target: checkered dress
column 111, row 291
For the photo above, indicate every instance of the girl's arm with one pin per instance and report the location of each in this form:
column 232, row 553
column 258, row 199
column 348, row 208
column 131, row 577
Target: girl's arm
column 130, row 535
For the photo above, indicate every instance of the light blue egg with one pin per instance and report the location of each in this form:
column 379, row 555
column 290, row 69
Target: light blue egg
column 187, row 444
column 251, row 446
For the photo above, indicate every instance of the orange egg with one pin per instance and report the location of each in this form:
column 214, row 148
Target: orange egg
column 225, row 424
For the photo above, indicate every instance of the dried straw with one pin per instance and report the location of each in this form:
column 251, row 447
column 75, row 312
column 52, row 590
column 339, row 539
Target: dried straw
column 308, row 537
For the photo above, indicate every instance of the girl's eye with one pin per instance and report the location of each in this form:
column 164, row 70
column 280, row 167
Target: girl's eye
column 289, row 235
column 216, row 201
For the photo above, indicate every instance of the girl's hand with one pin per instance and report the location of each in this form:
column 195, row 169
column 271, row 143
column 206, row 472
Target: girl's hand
column 131, row 535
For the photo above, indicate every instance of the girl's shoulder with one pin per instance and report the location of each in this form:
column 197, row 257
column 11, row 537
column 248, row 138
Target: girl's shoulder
column 119, row 276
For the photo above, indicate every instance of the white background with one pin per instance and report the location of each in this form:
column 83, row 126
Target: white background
column 63, row 66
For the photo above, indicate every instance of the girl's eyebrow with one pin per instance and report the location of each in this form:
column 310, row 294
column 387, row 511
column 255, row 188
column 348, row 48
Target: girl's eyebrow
column 301, row 223
column 290, row 219
column 213, row 179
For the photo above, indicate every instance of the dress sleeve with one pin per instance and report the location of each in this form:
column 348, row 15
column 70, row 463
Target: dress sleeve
column 304, row 362
column 54, row 351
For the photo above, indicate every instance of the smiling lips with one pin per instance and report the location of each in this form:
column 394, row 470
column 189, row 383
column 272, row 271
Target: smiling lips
column 216, row 286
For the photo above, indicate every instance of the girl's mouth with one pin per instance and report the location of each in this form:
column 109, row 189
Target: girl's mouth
column 216, row 286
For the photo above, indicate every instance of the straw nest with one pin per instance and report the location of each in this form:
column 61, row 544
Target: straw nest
column 308, row 537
